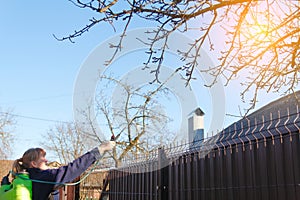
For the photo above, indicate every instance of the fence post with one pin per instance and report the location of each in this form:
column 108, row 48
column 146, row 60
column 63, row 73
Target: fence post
column 163, row 175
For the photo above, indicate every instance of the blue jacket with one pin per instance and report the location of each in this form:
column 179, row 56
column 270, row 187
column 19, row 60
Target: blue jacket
column 64, row 174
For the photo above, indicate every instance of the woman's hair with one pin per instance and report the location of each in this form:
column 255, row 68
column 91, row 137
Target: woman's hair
column 24, row 163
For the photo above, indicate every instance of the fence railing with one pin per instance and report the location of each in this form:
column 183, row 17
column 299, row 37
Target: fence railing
column 256, row 158
column 259, row 170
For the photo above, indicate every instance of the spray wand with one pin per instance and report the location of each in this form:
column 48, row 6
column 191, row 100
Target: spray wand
column 112, row 138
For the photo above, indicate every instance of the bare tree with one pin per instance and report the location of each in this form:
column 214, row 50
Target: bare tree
column 261, row 37
column 67, row 141
column 136, row 120
column 7, row 123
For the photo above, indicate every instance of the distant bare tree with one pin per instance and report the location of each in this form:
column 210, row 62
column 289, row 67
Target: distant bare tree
column 260, row 37
column 136, row 121
column 67, row 141
column 7, row 123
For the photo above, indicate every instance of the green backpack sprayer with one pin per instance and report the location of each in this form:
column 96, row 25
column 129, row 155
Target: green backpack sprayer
column 19, row 189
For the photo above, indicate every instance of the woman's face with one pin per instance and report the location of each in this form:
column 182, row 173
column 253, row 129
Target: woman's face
column 40, row 163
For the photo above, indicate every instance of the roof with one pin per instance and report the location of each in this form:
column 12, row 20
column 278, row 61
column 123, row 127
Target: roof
column 197, row 112
column 276, row 118
column 5, row 167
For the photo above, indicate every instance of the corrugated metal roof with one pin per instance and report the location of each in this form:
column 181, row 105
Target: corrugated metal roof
column 279, row 117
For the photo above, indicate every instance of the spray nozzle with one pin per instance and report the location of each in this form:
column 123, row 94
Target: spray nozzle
column 112, row 138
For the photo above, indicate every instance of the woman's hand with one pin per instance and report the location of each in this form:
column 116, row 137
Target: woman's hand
column 106, row 146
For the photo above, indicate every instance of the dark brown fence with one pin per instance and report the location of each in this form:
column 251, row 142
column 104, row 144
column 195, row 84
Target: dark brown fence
column 254, row 159
column 261, row 170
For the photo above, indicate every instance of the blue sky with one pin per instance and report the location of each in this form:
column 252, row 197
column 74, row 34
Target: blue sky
column 37, row 72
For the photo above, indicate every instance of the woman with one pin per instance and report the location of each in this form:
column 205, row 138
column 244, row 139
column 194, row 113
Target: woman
column 34, row 161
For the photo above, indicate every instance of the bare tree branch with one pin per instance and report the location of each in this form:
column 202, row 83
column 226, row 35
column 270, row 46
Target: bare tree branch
column 7, row 123
column 262, row 37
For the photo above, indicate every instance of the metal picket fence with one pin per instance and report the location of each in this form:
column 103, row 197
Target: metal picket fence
column 255, row 158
